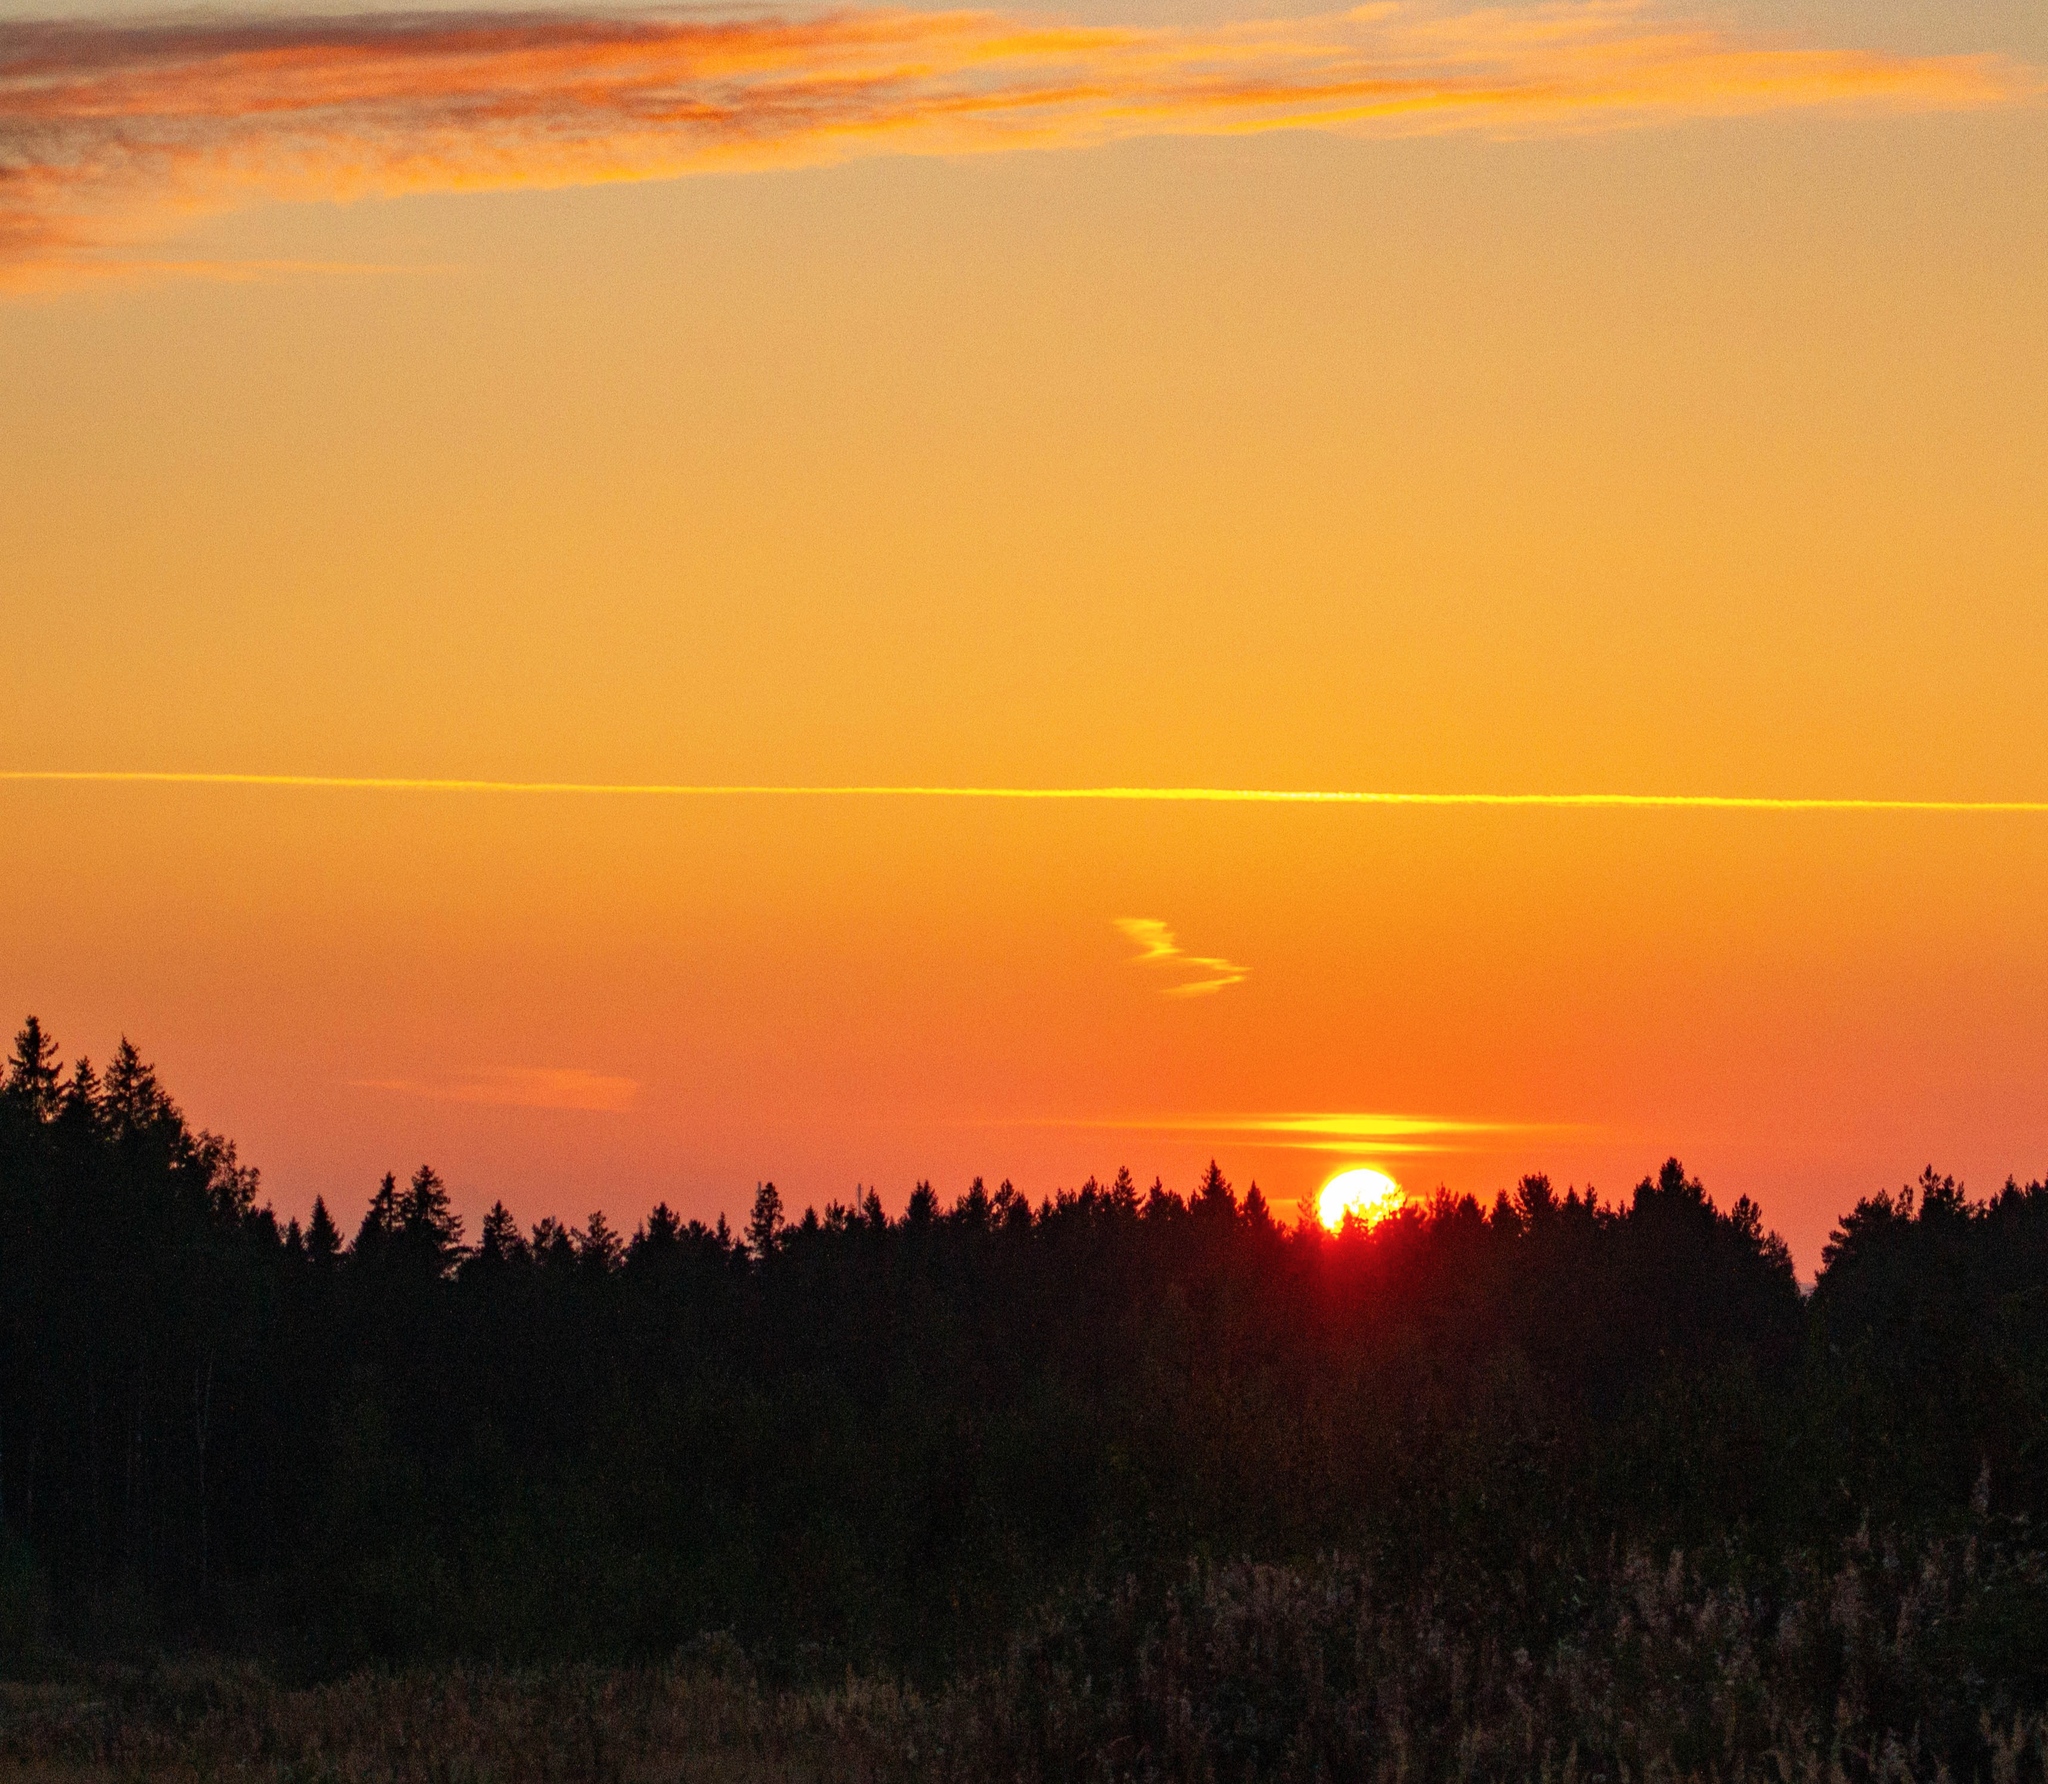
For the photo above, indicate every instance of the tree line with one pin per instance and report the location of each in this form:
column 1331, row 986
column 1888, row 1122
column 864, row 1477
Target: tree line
column 850, row 1439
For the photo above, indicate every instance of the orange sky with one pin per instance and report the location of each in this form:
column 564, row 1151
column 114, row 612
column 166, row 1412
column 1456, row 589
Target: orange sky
column 1663, row 411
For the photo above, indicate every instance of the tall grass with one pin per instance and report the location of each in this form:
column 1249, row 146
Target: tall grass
column 1924, row 1661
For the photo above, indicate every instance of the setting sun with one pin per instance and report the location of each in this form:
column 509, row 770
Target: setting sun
column 1361, row 1194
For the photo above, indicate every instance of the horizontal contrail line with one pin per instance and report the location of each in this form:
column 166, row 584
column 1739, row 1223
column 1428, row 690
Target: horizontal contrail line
column 354, row 783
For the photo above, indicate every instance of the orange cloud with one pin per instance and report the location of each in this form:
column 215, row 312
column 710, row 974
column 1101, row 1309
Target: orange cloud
column 112, row 134
column 1156, row 944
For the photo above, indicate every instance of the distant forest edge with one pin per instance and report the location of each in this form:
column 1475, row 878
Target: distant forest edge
column 913, row 1444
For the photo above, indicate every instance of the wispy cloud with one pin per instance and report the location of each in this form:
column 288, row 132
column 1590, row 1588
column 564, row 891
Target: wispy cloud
column 1351, row 1131
column 520, row 1088
column 1346, row 1131
column 1157, row 946
column 112, row 134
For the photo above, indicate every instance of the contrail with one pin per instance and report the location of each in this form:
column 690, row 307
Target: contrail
column 357, row 783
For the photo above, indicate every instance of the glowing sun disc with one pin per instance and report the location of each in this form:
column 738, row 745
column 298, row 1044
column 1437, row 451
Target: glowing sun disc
column 1366, row 1195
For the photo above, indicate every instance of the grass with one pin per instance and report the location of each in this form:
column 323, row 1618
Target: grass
column 455, row 1725
column 1921, row 1662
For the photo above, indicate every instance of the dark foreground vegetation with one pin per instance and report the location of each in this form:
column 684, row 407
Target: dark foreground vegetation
column 1122, row 1485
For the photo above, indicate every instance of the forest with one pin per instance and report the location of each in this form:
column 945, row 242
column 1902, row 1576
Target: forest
column 1127, row 1483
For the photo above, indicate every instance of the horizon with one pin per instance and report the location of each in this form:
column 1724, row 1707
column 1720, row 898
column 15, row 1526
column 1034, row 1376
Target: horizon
column 1313, row 1210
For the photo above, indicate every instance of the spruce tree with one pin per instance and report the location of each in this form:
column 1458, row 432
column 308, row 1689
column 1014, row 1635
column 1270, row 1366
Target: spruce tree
column 659, row 1236
column 380, row 1220
column 1123, row 1192
column 81, row 1100
column 1213, row 1196
column 764, row 1226
column 34, row 1071
column 1162, row 1203
column 132, row 1101
column 600, row 1249
column 427, row 1221
column 500, row 1241
column 323, row 1237
column 553, row 1243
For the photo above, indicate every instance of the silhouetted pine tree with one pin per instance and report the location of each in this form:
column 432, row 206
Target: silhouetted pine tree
column 134, row 1105
column 34, row 1072
column 600, row 1251
column 79, row 1106
column 1257, row 1215
column 1213, row 1196
column 764, row 1225
column 499, row 1240
column 663, row 1230
column 427, row 1223
column 553, row 1243
column 323, row 1238
column 974, row 1208
column 380, row 1224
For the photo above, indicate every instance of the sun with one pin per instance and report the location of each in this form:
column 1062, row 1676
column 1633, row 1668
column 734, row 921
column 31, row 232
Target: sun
column 1366, row 1195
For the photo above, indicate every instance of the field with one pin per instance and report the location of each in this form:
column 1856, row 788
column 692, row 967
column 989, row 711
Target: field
column 1893, row 1665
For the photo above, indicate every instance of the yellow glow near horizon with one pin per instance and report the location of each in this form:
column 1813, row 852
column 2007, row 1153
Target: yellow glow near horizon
column 1361, row 1194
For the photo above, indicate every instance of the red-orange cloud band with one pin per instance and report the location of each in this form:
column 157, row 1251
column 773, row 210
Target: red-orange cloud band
column 112, row 134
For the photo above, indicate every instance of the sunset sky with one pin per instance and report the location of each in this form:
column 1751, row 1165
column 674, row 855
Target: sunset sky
column 1576, row 398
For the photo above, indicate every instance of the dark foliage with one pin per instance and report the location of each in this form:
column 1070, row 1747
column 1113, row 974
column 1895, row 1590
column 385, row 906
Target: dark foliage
column 851, row 1440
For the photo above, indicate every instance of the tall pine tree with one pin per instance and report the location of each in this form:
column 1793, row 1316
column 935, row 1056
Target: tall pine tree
column 34, row 1072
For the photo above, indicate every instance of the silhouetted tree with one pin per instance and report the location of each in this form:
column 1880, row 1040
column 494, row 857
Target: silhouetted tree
column 1257, row 1215
column 427, row 1221
column 381, row 1223
column 134, row 1105
column 34, row 1072
column 601, row 1250
column 499, row 1240
column 323, row 1238
column 553, row 1244
column 1213, row 1197
column 764, row 1225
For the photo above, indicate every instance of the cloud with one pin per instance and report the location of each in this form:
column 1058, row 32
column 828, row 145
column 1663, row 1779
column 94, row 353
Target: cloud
column 1156, row 944
column 517, row 1088
column 113, row 134
column 1335, row 1130
column 1351, row 1131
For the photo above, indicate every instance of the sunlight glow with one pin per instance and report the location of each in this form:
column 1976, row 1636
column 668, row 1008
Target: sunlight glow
column 1361, row 1194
